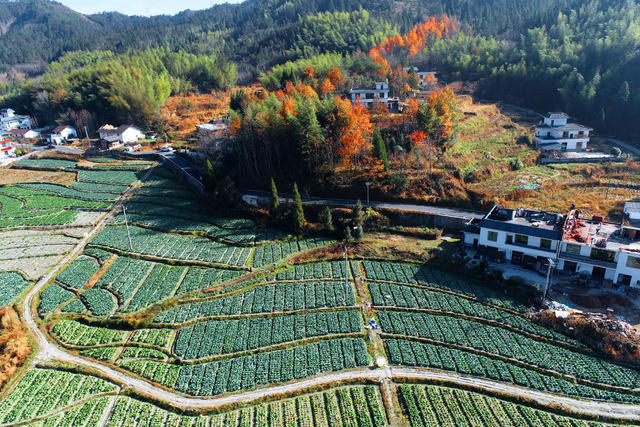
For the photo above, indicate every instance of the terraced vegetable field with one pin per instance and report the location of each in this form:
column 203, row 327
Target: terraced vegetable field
column 431, row 406
column 207, row 306
column 11, row 286
column 47, row 397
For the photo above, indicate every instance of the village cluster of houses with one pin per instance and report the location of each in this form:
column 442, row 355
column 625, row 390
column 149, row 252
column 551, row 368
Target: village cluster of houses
column 367, row 97
column 14, row 127
column 589, row 248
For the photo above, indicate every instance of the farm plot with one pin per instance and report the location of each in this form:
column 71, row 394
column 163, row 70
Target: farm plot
column 157, row 209
column 99, row 188
column 498, row 341
column 244, row 236
column 357, row 406
column 274, row 253
column 40, row 200
column 78, row 273
column 172, row 246
column 269, row 298
column 218, row 337
column 199, row 279
column 99, row 302
column 75, row 333
column 319, row 270
column 247, row 372
column 109, row 176
column 52, row 297
column 412, row 353
column 30, row 238
column 72, row 193
column 139, row 284
column 9, row 254
column 45, row 163
column 161, row 283
column 42, row 391
column 424, row 276
column 12, row 285
column 392, row 295
column 432, row 405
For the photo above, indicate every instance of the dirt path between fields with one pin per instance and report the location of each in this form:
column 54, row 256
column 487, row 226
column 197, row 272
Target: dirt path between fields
column 50, row 352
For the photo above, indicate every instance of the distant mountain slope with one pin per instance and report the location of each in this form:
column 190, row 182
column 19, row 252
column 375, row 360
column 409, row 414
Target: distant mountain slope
column 257, row 32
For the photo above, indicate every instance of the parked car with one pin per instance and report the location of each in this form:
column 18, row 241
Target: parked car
column 166, row 149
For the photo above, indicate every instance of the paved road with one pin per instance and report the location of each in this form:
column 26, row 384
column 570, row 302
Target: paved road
column 452, row 212
column 631, row 148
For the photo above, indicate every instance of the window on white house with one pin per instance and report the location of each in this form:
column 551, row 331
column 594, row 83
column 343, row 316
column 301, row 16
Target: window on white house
column 493, row 236
column 522, row 239
column 573, row 249
column 545, row 243
column 633, row 262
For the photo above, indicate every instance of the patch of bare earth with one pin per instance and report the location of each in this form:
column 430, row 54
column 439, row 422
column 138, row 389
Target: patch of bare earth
column 14, row 345
column 18, row 176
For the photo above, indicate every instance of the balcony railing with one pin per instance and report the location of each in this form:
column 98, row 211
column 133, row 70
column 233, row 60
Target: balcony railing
column 558, row 138
column 587, row 260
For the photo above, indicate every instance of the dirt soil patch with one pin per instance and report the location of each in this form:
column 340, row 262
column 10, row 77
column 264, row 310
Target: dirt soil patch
column 17, row 176
column 600, row 300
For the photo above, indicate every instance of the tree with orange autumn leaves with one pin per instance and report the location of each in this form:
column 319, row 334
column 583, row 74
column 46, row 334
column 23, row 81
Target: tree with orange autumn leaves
column 416, row 40
column 356, row 131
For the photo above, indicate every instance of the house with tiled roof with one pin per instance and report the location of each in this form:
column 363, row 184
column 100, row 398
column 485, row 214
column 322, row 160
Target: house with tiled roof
column 556, row 134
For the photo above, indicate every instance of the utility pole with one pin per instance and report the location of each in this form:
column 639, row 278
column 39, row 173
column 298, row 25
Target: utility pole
column 126, row 223
column 548, row 282
column 368, row 184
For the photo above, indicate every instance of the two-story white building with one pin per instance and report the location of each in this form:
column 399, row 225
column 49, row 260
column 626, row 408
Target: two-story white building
column 9, row 120
column 368, row 97
column 602, row 250
column 518, row 236
column 556, row 134
column 7, row 149
column 590, row 248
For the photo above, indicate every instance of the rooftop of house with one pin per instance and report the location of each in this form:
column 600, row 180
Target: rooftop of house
column 632, row 212
column 569, row 127
column 111, row 130
column 595, row 232
column 546, row 225
column 61, row 128
column 556, row 115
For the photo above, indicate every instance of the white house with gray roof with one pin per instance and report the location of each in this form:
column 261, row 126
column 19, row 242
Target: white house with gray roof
column 590, row 248
column 556, row 134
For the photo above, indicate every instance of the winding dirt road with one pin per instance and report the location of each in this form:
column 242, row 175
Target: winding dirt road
column 49, row 352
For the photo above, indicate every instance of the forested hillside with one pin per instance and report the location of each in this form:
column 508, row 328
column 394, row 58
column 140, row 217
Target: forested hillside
column 577, row 56
column 39, row 31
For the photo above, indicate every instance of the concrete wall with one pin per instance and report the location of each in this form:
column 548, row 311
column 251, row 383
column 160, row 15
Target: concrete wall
column 424, row 219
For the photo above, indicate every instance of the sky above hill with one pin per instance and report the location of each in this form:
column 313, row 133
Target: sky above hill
column 141, row 7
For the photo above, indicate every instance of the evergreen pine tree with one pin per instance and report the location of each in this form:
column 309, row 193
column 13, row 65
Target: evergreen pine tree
column 380, row 149
column 209, row 178
column 358, row 221
column 297, row 216
column 274, row 207
column 327, row 219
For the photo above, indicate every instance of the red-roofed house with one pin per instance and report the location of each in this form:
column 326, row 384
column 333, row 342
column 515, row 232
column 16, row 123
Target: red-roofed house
column 24, row 133
column 6, row 148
